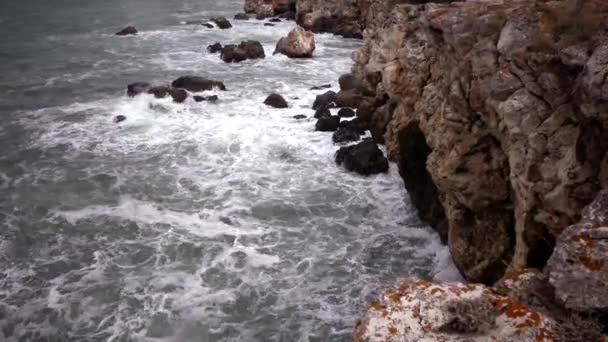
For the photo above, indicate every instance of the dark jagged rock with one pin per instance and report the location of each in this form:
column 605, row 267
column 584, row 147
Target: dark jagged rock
column 348, row 82
column 321, row 87
column 196, row 83
column 348, row 98
column 198, row 98
column 299, row 116
column 214, row 48
column 137, row 88
column 274, row 20
column 221, row 22
column 364, row 158
column 327, row 123
column 159, row 91
column 207, row 25
column 241, row 16
column 322, row 112
column 345, row 134
column 346, row 113
column 119, row 118
column 299, row 43
column 276, row 101
column 210, row 98
column 127, row 31
column 324, row 100
column 269, row 24
column 179, row 95
column 249, row 49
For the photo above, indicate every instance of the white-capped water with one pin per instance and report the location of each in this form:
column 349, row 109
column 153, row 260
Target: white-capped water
column 224, row 221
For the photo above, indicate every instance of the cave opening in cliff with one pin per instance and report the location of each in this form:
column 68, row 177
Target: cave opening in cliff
column 423, row 192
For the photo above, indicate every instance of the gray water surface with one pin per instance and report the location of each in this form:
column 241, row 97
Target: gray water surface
column 186, row 222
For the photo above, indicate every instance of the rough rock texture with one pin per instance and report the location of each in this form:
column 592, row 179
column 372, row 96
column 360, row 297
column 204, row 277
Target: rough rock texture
column 221, row 22
column 197, row 83
column 578, row 268
column 324, row 100
column 499, row 118
column 276, row 101
column 342, row 17
column 249, row 49
column 137, row 88
column 269, row 8
column 327, row 123
column 299, row 43
column 422, row 311
column 364, row 158
column 214, row 48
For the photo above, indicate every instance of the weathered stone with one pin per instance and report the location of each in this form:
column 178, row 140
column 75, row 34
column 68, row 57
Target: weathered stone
column 578, row 268
column 137, row 88
column 417, row 310
column 119, row 118
column 324, row 100
column 276, row 101
column 364, row 158
column 327, row 123
column 221, row 22
column 197, row 83
column 213, row 48
column 127, row 31
column 348, row 98
column 299, row 43
column 249, row 49
column 241, row 16
column 346, row 113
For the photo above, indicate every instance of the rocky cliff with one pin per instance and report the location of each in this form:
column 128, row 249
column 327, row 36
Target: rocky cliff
column 498, row 119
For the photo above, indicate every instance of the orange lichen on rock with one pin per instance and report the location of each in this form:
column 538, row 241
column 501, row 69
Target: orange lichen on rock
column 591, row 264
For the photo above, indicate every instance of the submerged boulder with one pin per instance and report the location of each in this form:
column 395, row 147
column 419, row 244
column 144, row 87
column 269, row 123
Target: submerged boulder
column 241, row 16
column 137, row 88
column 207, row 25
column 119, row 118
column 364, row 158
column 348, row 130
column 127, row 31
column 221, row 22
column 197, row 83
column 327, row 123
column 324, row 100
column 249, row 49
column 299, row 116
column 179, row 95
column 214, row 48
column 299, row 43
column 276, row 101
column 322, row 112
column 323, row 86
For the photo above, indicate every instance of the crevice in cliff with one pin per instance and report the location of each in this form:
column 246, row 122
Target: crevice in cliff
column 414, row 152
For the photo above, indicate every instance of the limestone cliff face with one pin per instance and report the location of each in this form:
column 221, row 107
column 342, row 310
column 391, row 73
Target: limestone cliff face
column 498, row 119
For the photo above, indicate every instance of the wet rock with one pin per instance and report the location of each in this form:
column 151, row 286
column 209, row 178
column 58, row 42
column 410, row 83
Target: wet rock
column 289, row 15
column 266, row 9
column 159, row 91
column 179, row 95
column 207, row 25
column 221, row 22
column 346, row 113
column 268, row 24
column 241, row 16
column 276, row 101
column 324, row 100
column 580, row 260
column 119, row 118
column 347, row 131
column 213, row 48
column 274, row 20
column 365, row 111
column 321, row 87
column 417, row 310
column 196, row 84
column 364, row 158
column 249, row 49
column 327, row 123
column 127, row 31
column 137, row 88
column 299, row 116
column 210, row 98
column 299, row 43
column 348, row 82
column 348, row 98
column 322, row 112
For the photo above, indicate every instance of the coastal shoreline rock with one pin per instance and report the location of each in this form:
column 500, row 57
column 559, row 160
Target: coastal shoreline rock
column 299, row 43
column 127, row 31
column 364, row 158
column 249, row 49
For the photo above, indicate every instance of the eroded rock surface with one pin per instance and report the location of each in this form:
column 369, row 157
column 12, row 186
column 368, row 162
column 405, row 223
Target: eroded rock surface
column 498, row 122
column 299, row 43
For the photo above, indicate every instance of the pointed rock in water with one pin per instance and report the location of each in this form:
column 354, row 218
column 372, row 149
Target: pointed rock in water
column 324, row 86
column 249, row 49
column 327, row 123
column 299, row 116
column 241, row 16
column 197, row 83
column 119, row 118
column 129, row 30
column 324, row 100
column 299, row 43
column 276, row 101
column 207, row 25
column 213, row 48
column 137, row 88
column 221, row 22
column 365, row 158
column 322, row 112
column 346, row 113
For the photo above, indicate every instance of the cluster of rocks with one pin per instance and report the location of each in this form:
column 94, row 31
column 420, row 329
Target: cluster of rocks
column 178, row 90
column 263, row 9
